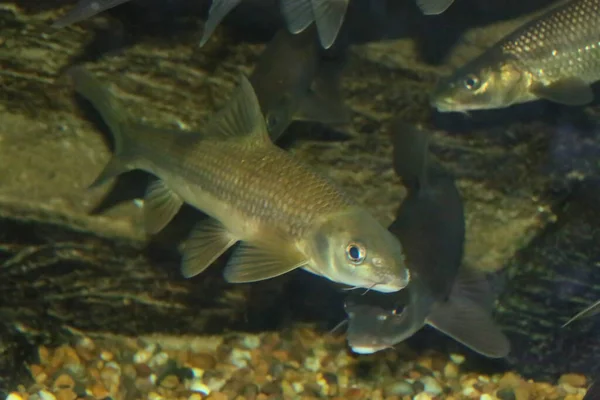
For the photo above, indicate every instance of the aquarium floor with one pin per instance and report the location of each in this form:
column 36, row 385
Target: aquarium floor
column 296, row 364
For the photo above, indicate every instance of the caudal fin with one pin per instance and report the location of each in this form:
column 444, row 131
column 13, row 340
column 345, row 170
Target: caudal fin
column 104, row 102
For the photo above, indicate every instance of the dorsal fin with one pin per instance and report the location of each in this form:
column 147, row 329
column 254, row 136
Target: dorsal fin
column 241, row 116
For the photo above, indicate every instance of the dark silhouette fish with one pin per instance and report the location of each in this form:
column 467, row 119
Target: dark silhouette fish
column 293, row 82
column 285, row 215
column 554, row 57
column 328, row 15
column 441, row 293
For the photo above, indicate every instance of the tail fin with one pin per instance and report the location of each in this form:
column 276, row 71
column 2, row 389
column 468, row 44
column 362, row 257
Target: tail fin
column 104, row 102
column 84, row 10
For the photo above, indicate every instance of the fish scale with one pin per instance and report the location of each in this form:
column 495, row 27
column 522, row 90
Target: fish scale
column 263, row 183
column 554, row 57
column 566, row 42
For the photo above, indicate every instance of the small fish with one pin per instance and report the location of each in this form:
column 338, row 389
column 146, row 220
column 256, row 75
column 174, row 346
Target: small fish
column 554, row 57
column 285, row 215
column 328, row 15
column 585, row 313
column 430, row 224
column 293, row 82
column 593, row 393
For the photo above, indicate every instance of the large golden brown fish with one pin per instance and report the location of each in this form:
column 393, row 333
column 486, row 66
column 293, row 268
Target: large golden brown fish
column 285, row 215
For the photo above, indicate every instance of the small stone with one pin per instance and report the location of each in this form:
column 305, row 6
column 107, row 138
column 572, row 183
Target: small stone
column 506, row 394
column 422, row 396
column 522, row 392
column 312, row 364
column 65, row 394
column 240, row 358
column 154, row 396
column 197, row 385
column 203, row 361
column 457, row 358
column 271, row 388
column 99, row 391
column 106, row 355
column 46, row 395
column 431, row 385
column 142, row 356
column 250, row 391
column 195, row 396
column 217, row 396
column 486, row 396
column 14, row 396
column 169, row 382
column 64, row 381
column 401, row 388
column 574, row 380
column 451, row 370
column 251, row 341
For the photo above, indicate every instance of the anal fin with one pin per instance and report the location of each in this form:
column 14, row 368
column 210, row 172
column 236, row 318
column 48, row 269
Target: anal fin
column 160, row 206
column 569, row 91
column 207, row 242
column 251, row 264
column 329, row 17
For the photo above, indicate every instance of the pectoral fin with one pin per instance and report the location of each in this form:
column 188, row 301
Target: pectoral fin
column 251, row 264
column 218, row 10
column 329, row 17
column 471, row 325
column 160, row 206
column 568, row 91
column 207, row 242
column 587, row 312
column 298, row 14
column 434, row 7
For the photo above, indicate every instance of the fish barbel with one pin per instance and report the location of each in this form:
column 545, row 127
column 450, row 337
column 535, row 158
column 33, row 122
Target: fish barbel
column 285, row 215
column 554, row 57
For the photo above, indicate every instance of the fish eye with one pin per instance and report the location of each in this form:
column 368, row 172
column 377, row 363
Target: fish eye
column 472, row 82
column 356, row 253
column 271, row 121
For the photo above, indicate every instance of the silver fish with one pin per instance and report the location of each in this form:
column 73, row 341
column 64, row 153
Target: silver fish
column 285, row 215
column 585, row 313
column 430, row 224
column 328, row 15
column 554, row 57
column 292, row 83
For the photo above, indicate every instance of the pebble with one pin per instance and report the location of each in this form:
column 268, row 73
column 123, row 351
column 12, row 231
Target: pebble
column 401, row 388
column 575, row 380
column 506, row 394
column 64, row 381
column 486, row 396
column 422, row 396
column 46, row 395
column 170, row 382
column 197, row 385
column 251, row 341
column 65, row 394
column 451, row 370
column 457, row 358
column 431, row 385
column 14, row 396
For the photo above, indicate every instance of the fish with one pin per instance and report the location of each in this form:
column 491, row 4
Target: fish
column 328, row 15
column 555, row 57
column 593, row 393
column 585, row 313
column 442, row 293
column 285, row 215
column 293, row 82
